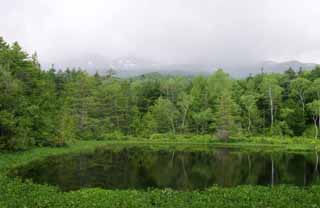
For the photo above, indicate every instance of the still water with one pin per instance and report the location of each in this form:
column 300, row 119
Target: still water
column 144, row 167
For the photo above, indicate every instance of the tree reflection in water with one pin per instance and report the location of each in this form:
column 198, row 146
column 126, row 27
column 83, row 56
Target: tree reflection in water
column 142, row 167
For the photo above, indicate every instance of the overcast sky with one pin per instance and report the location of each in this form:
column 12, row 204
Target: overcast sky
column 220, row 32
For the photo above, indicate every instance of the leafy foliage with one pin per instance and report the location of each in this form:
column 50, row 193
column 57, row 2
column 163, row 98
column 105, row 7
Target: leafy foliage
column 54, row 108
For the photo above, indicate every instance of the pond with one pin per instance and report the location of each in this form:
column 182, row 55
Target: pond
column 146, row 167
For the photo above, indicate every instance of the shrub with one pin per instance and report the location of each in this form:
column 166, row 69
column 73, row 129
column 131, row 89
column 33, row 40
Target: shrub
column 157, row 136
column 116, row 135
column 309, row 132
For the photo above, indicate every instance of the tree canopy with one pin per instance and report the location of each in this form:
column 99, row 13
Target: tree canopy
column 53, row 107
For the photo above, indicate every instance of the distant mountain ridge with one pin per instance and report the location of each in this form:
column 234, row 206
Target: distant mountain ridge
column 132, row 66
column 280, row 66
column 270, row 67
column 198, row 69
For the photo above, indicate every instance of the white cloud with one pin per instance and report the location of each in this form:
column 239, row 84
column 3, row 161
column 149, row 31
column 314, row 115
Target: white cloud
column 222, row 32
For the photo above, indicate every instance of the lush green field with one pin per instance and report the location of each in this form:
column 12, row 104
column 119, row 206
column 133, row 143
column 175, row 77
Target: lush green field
column 15, row 193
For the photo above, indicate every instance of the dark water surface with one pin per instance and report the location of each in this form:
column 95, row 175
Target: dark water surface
column 142, row 168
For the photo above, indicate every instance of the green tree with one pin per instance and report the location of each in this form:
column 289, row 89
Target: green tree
column 201, row 120
column 200, row 111
column 299, row 87
column 165, row 115
column 81, row 101
column 225, row 117
column 218, row 82
column 250, row 111
column 272, row 91
column 184, row 102
column 314, row 107
column 314, row 89
column 14, row 128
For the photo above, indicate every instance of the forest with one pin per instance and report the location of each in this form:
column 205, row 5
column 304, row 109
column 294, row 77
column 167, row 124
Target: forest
column 69, row 138
column 55, row 107
column 159, row 104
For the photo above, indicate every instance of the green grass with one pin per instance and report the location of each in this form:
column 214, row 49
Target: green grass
column 283, row 143
column 16, row 193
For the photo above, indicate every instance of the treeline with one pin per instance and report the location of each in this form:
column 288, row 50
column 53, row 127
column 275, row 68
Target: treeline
column 39, row 108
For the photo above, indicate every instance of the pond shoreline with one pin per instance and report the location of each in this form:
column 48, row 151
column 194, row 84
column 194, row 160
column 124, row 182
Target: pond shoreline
column 15, row 193
column 21, row 157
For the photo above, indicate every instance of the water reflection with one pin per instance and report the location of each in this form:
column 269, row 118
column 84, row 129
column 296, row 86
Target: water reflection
column 142, row 168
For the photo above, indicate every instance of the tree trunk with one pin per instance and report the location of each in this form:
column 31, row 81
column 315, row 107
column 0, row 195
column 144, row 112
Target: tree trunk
column 172, row 126
column 116, row 112
column 272, row 171
column 82, row 115
column 171, row 162
column 249, row 122
column 303, row 104
column 271, row 108
column 318, row 120
column 249, row 165
column 184, row 119
column 317, row 163
column 315, row 126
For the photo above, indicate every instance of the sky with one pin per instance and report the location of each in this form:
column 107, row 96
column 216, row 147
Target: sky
column 220, row 32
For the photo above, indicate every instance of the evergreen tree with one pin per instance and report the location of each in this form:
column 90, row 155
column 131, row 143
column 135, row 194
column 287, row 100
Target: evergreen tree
column 225, row 117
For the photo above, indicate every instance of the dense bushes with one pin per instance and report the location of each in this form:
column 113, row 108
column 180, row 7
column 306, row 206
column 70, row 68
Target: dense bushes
column 14, row 193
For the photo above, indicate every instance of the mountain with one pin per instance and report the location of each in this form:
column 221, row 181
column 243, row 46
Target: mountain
column 172, row 69
column 130, row 66
column 268, row 67
column 273, row 66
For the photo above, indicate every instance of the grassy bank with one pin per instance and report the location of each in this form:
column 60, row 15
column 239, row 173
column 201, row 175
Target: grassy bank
column 283, row 143
column 28, row 195
column 15, row 193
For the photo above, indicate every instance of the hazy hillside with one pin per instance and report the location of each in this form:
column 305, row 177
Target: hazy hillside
column 133, row 66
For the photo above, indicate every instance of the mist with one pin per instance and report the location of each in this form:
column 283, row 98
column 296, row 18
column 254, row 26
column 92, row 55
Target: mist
column 221, row 33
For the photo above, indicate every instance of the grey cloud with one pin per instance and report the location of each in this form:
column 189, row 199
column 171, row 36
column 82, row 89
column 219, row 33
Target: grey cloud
column 224, row 33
